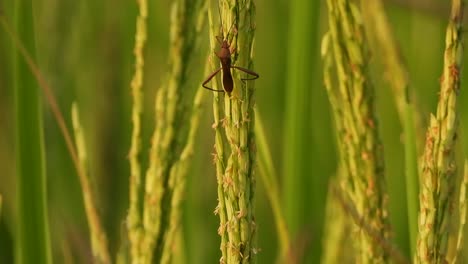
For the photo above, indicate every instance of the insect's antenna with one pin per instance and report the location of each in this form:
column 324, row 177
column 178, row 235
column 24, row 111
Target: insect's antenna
column 232, row 25
column 221, row 22
column 220, row 19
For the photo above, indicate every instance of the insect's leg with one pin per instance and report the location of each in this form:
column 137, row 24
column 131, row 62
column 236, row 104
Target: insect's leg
column 220, row 40
column 254, row 74
column 213, row 74
column 233, row 50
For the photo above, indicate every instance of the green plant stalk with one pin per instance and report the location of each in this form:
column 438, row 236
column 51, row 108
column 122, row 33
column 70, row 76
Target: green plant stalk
column 218, row 155
column 99, row 243
column 438, row 169
column 235, row 124
column 385, row 244
column 411, row 174
column 33, row 238
column 170, row 136
column 180, row 169
column 99, row 239
column 47, row 91
column 462, row 214
column 303, row 36
column 397, row 75
column 134, row 225
column 337, row 245
column 335, row 224
column 359, row 144
column 270, row 181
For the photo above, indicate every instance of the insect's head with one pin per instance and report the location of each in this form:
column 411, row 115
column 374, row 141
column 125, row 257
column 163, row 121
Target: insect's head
column 225, row 44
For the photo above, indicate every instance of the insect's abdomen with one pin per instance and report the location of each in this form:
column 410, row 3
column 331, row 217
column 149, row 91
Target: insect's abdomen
column 228, row 83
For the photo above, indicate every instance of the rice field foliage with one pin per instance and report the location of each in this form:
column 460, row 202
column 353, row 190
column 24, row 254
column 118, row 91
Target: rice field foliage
column 112, row 152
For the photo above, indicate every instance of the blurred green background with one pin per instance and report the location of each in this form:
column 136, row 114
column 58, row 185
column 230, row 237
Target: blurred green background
column 84, row 48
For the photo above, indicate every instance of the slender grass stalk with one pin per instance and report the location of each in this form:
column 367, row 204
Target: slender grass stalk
column 180, row 169
column 359, row 220
column 1, row 205
column 270, row 181
column 33, row 239
column 168, row 161
column 90, row 206
column 411, row 173
column 397, row 75
column 462, row 215
column 99, row 243
column 358, row 140
column 336, row 246
column 336, row 219
column 134, row 213
column 234, row 124
column 218, row 155
column 302, row 45
column 438, row 169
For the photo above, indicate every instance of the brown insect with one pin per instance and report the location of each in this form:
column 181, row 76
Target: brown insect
column 224, row 55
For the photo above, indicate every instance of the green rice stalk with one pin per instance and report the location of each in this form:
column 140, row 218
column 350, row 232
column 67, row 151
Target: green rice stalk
column 134, row 213
column 218, row 155
column 32, row 237
column 336, row 223
column 270, row 181
column 385, row 244
column 180, row 169
column 303, row 36
column 353, row 109
column 47, row 91
column 99, row 243
column 336, row 243
column 438, row 170
column 462, row 214
column 397, row 75
column 234, row 124
column 170, row 136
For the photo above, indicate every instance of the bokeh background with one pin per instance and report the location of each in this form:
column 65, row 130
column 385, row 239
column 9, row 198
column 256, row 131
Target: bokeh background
column 84, row 48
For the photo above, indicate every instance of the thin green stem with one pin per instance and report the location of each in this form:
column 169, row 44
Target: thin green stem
column 33, row 239
column 179, row 171
column 336, row 242
column 462, row 214
column 270, row 181
column 302, row 39
column 99, row 243
column 411, row 174
column 360, row 221
column 47, row 91
column 218, row 155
